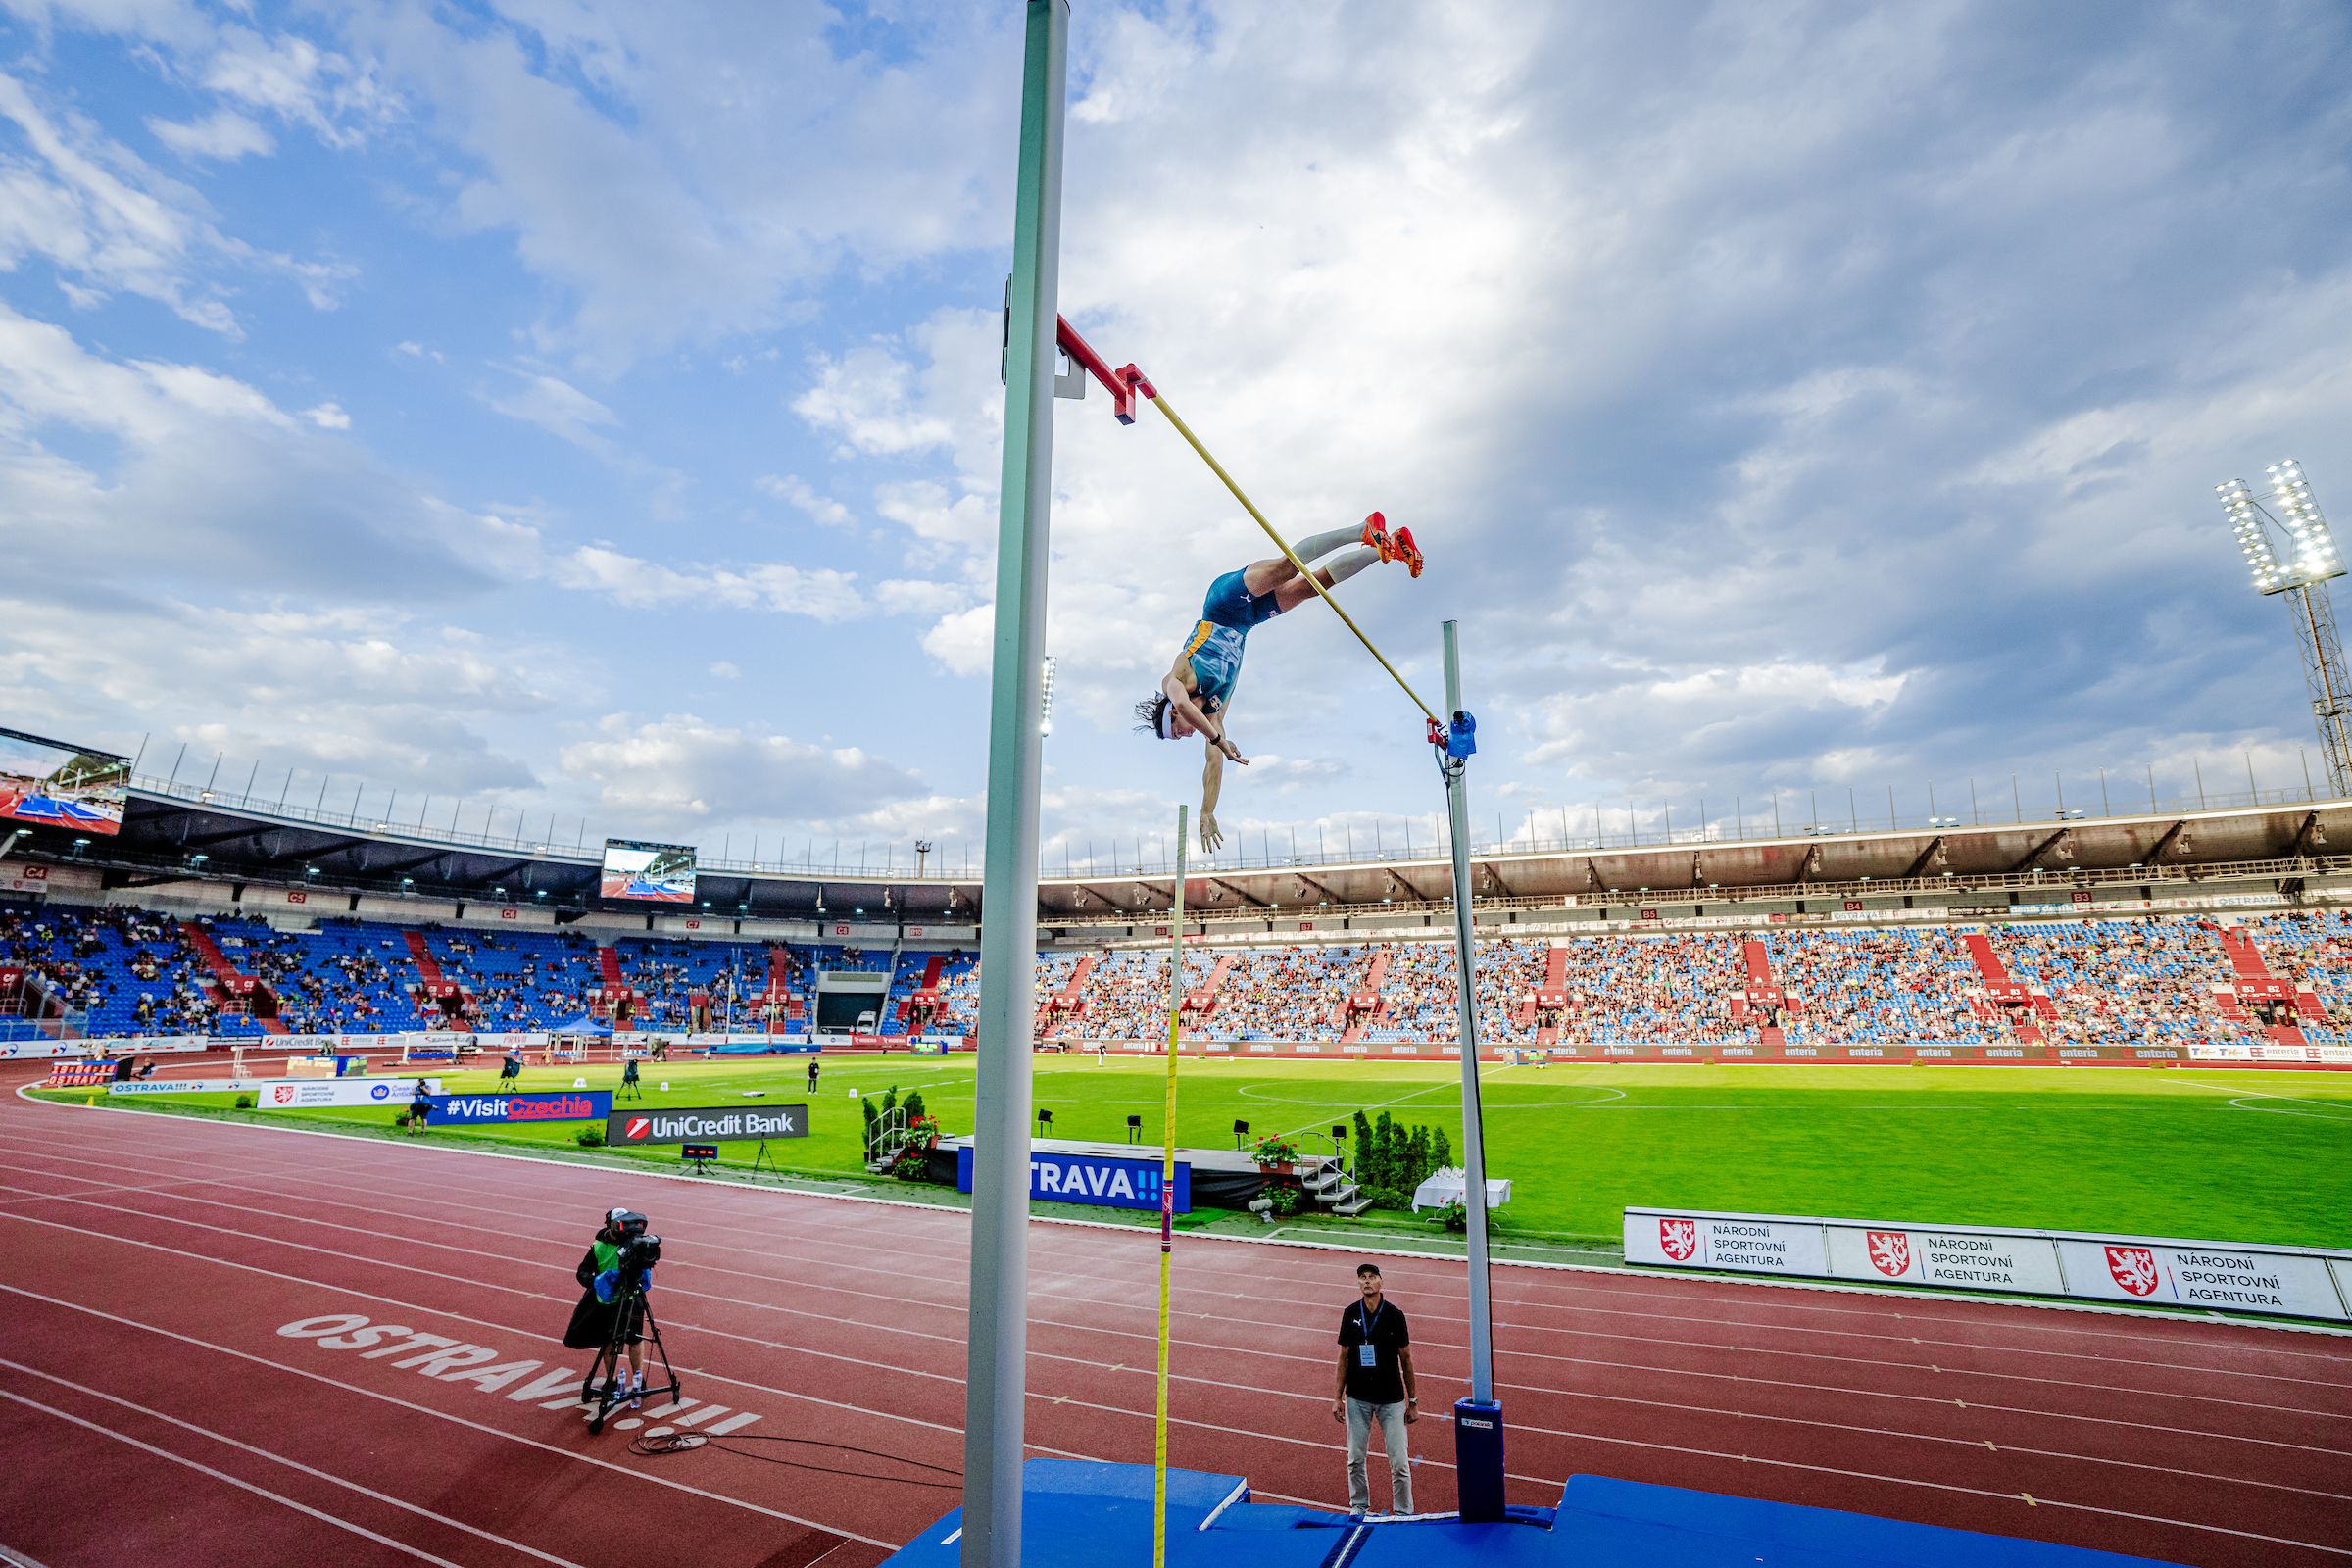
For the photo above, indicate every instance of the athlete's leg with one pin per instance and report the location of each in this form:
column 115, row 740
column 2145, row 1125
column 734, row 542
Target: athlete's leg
column 1295, row 592
column 1264, row 576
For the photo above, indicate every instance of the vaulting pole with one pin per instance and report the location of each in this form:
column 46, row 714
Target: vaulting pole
column 1168, row 1202
column 995, row 1387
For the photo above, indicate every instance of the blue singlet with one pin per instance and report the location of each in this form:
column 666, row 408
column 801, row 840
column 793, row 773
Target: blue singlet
column 1214, row 649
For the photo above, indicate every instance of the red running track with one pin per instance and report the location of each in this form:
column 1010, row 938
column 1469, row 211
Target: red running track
column 152, row 1408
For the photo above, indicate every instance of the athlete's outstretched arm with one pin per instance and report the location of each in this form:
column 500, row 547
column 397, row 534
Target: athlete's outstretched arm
column 1212, row 779
column 1181, row 697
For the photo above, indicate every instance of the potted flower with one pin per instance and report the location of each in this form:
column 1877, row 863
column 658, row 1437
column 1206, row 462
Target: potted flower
column 1273, row 1154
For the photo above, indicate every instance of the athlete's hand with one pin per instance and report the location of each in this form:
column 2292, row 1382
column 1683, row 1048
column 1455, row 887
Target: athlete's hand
column 1225, row 744
column 1211, row 835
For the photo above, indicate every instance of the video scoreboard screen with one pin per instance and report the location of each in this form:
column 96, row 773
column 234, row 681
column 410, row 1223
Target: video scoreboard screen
column 649, row 874
column 56, row 785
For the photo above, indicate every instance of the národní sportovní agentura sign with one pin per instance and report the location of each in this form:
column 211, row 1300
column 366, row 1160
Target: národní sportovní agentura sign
column 314, row 1094
column 707, row 1124
column 2222, row 1276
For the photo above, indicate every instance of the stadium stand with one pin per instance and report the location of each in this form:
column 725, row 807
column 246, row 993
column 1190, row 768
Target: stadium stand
column 2280, row 978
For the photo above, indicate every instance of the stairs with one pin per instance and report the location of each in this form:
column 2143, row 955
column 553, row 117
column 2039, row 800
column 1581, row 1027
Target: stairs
column 1555, row 979
column 2246, row 963
column 1365, row 1003
column 429, row 968
column 1996, row 973
column 1203, row 1002
column 1759, row 977
column 608, row 968
column 225, row 972
column 1330, row 1184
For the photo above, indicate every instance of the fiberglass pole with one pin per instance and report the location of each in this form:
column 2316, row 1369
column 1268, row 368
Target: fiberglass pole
column 1465, row 962
column 997, row 1340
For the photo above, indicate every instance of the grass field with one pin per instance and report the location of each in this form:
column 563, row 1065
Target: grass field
column 2230, row 1156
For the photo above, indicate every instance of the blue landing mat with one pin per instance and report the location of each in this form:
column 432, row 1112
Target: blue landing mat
column 1080, row 1514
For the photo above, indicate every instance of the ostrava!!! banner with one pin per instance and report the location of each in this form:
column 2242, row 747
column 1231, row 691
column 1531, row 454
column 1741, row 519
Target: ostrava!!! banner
column 478, row 1110
column 707, row 1124
column 1102, row 1180
column 2286, row 1281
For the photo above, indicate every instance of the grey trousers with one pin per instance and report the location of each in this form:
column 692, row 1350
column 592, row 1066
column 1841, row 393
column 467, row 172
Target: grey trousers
column 1391, row 1418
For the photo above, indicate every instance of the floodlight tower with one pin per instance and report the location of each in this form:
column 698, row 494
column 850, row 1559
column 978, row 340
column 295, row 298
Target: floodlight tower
column 2302, row 575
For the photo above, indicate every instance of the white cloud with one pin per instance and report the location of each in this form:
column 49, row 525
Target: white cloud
column 960, row 642
column 866, row 397
column 329, row 417
column 559, row 408
column 683, row 773
column 796, row 491
column 223, row 134
column 727, row 670
column 906, row 596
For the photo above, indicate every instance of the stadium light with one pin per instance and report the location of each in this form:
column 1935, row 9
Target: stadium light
column 2300, row 575
column 1044, row 716
column 2315, row 555
column 2253, row 539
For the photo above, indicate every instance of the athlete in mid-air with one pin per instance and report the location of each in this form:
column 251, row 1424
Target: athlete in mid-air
column 1196, row 696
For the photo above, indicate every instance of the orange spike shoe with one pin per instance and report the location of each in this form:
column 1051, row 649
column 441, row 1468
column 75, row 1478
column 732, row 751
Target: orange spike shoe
column 1376, row 534
column 1401, row 543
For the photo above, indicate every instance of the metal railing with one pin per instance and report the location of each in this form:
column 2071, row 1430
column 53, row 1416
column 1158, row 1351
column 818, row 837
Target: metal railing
column 1599, row 827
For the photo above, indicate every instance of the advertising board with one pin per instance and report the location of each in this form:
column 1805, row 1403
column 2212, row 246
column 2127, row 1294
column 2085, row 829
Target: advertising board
column 707, row 1124
column 2225, row 1276
column 1101, row 1180
column 317, row 1094
column 482, row 1111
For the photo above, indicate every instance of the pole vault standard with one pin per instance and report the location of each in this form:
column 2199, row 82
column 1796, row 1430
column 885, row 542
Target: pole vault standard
column 1478, row 1420
column 996, row 1380
column 1168, row 1203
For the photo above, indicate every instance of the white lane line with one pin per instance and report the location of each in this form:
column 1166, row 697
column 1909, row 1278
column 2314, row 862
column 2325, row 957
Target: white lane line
column 418, row 1552
column 1543, row 1391
column 293, row 1464
column 1609, row 1279
column 1225, row 1314
column 441, row 1415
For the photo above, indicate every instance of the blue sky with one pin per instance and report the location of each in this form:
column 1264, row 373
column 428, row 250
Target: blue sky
column 589, row 411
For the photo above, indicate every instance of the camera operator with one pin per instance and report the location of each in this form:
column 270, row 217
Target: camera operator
column 602, row 1303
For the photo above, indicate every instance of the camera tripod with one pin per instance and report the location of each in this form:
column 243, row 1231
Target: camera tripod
column 632, row 1309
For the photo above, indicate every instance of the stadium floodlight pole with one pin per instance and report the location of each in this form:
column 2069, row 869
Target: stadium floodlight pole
column 996, row 1374
column 1478, row 1433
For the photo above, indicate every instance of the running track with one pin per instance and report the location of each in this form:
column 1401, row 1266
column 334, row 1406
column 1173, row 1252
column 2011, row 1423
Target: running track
column 151, row 1410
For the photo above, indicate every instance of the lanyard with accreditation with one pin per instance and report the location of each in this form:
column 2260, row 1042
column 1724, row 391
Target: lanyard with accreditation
column 1365, row 1354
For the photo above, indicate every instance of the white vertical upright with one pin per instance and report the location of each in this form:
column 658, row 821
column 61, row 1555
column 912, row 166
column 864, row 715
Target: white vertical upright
column 996, row 1374
column 1465, row 967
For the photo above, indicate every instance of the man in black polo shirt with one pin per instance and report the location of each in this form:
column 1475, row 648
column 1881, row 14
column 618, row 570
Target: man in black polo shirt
column 1376, row 1386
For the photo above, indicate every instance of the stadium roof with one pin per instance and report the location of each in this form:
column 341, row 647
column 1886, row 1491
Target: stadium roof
column 179, row 835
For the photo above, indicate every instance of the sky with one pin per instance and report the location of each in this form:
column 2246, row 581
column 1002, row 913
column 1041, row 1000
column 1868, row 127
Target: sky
column 586, row 413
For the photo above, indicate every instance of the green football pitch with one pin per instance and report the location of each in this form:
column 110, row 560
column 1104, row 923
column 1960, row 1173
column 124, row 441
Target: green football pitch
column 2221, row 1154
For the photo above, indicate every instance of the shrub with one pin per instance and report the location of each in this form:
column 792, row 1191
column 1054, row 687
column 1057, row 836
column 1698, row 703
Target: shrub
column 244, row 1102
column 1286, row 1198
column 914, row 1106
column 1441, row 1149
column 911, row 1166
column 589, row 1137
column 1454, row 1217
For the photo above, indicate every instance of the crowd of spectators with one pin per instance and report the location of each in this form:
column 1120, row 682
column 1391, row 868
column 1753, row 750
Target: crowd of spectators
column 2112, row 981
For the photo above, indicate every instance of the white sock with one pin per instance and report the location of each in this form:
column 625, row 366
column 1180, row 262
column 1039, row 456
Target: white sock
column 1348, row 562
column 1317, row 545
